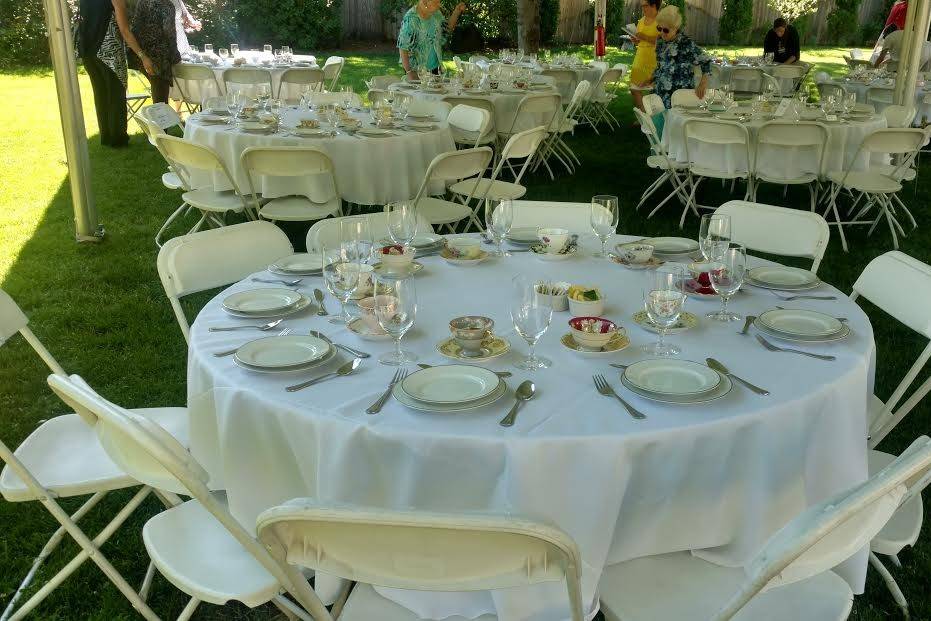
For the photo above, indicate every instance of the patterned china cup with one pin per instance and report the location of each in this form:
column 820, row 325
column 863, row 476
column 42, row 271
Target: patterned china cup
column 469, row 332
column 636, row 252
column 367, row 307
column 553, row 239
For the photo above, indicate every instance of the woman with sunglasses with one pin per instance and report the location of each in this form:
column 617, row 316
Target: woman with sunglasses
column 676, row 57
column 641, row 71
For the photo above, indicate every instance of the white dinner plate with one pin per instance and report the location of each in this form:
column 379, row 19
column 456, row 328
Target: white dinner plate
column 450, row 384
column 464, row 262
column 398, row 273
column 679, row 378
column 721, row 391
column 672, row 245
column 372, row 132
column 421, row 125
column 300, row 306
column 523, row 235
column 426, row 241
column 404, row 399
column 420, row 117
column 301, row 263
column 300, row 368
column 840, row 335
column 782, row 277
column 365, row 332
column 261, row 300
column 800, row 323
column 276, row 352
column 212, row 119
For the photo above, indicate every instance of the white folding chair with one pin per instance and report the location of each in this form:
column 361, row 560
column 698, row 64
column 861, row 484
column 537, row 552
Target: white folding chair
column 877, row 185
column 521, row 146
column 62, row 458
column 325, row 233
column 469, row 125
column 575, row 217
column 195, row 83
column 449, row 168
column 382, row 82
column 296, row 81
column 563, row 79
column 880, row 97
column 716, row 150
column 533, row 111
column 324, row 99
column 247, row 80
column 672, row 171
column 418, row 550
column 135, row 100
column 332, row 69
column 790, row 154
column 565, row 123
column 790, row 77
column 197, row 545
column 778, row 230
column 601, row 95
column 899, row 116
column 320, row 195
column 791, row 577
column 490, row 136
column 826, row 89
column 746, row 80
column 685, row 98
column 183, row 155
column 215, row 258
column 427, row 108
column 653, row 104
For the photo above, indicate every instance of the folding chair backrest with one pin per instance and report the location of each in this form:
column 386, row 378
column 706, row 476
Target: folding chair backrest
column 461, row 164
column 612, row 76
column 729, row 139
column 575, row 217
column 832, row 531
column 778, row 230
column 325, row 233
column 773, row 83
column 469, row 119
column 900, row 285
column 296, row 80
column 323, row 99
column 427, row 107
column 649, row 130
column 183, row 154
column 307, row 162
column 332, row 68
column 162, row 115
column 827, row 90
column 780, row 147
column 13, row 320
column 383, row 81
column 215, row 258
column 895, row 141
column 245, row 80
column 579, row 96
column 563, row 79
column 420, row 550
column 746, row 79
column 533, row 109
column 475, row 102
column 899, row 116
column 653, row 104
column 523, row 144
column 154, row 457
column 195, row 83
column 880, row 95
column 685, row 97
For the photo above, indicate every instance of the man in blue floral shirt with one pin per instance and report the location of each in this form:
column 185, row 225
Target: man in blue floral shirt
column 676, row 57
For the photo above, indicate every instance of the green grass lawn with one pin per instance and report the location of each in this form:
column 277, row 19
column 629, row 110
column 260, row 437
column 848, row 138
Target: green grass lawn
column 102, row 312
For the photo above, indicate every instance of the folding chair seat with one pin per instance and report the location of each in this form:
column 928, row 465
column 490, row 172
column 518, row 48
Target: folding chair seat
column 195, row 83
column 899, row 116
column 297, row 80
column 311, row 165
column 137, row 99
column 469, row 125
column 791, row 577
column 332, row 69
column 520, row 146
column 489, row 136
column 250, row 81
column 451, row 167
column 660, row 160
column 716, row 150
column 790, row 154
column 326, row 233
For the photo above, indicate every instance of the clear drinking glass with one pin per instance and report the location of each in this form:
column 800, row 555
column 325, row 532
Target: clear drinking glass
column 234, row 49
column 348, row 96
column 402, row 222
column 224, row 53
column 850, row 102
column 498, row 220
column 531, row 314
column 267, row 48
column 714, row 235
column 233, row 103
column 727, row 275
column 342, row 279
column 395, row 311
column 605, row 215
column 356, row 242
column 663, row 303
column 208, row 48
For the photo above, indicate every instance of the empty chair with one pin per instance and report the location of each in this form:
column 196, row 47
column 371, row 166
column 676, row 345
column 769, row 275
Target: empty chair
column 778, row 230
column 320, row 197
column 216, row 258
column 332, row 69
column 789, row 578
column 195, row 83
column 746, row 80
column 395, row 548
column 533, row 111
column 323, row 99
column 790, row 77
column 564, row 123
column 249, row 81
column 576, row 217
column 880, row 97
column 790, row 154
column 490, row 135
column 899, row 116
column 520, row 146
column 448, row 168
column 563, row 79
column 382, row 82
column 830, row 90
column 685, row 98
column 298, row 80
column 601, row 95
column 135, row 100
column 716, row 150
column 672, row 171
column 325, row 233
column 653, row 104
column 469, row 125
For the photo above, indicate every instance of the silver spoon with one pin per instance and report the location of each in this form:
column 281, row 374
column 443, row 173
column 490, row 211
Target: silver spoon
column 501, row 374
column 346, row 369
column 263, row 327
column 318, row 295
column 524, row 392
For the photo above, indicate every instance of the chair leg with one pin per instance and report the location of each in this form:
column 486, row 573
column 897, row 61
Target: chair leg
column 891, row 584
column 178, row 212
column 188, row 611
column 899, row 202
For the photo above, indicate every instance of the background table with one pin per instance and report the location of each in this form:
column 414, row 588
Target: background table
column 922, row 105
column 253, row 61
column 720, row 477
column 369, row 171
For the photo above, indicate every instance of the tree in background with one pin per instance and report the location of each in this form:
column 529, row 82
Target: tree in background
column 792, row 10
column 528, row 25
column 843, row 22
column 736, row 22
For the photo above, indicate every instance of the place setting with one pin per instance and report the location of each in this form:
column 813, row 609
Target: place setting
column 265, row 303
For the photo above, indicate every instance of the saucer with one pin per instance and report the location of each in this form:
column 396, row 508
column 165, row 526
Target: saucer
column 654, row 262
column 464, row 262
column 538, row 251
column 617, row 343
column 686, row 321
column 364, row 332
column 494, row 346
column 380, row 270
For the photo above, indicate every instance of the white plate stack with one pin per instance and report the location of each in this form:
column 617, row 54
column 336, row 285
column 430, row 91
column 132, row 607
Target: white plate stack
column 782, row 278
column 450, row 388
column 301, row 264
column 284, row 354
column 264, row 303
column 675, row 381
column 803, row 326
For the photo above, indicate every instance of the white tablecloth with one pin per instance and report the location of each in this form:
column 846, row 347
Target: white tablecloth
column 253, row 61
column 843, row 141
column 923, row 108
column 720, row 477
column 369, row 171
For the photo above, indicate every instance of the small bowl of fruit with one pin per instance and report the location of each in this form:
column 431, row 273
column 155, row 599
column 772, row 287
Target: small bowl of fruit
column 395, row 257
column 586, row 301
column 592, row 332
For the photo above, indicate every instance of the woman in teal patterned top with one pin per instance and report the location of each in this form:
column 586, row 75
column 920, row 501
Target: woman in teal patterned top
column 422, row 35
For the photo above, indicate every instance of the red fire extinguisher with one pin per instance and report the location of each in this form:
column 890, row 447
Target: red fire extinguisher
column 600, row 40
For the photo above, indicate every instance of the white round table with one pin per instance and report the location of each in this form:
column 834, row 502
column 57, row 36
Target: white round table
column 719, row 478
column 843, row 141
column 369, row 170
column 254, row 60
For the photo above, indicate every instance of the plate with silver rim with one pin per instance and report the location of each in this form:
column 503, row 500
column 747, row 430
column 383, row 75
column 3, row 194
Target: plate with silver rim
column 450, row 384
column 404, row 399
column 261, row 301
column 277, row 352
column 722, row 390
column 671, row 245
column 672, row 378
column 290, row 369
column 800, row 323
column 300, row 264
column 783, row 278
column 301, row 305
column 840, row 335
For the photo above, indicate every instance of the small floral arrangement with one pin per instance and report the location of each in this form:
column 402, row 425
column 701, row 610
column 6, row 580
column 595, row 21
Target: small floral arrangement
column 395, row 249
column 593, row 325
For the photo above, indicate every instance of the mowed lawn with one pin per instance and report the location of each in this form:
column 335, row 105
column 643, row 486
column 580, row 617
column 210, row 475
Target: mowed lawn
column 101, row 310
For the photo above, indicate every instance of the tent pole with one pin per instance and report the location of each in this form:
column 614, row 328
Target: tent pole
column 917, row 33
column 61, row 47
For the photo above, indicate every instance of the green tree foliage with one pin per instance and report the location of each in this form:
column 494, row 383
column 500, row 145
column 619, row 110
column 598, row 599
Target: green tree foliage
column 736, row 21
column 791, row 10
column 302, row 24
column 843, row 27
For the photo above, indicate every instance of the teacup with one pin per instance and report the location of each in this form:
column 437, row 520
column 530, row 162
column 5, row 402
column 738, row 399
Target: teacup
column 469, row 332
column 635, row 252
column 553, row 239
column 397, row 259
column 463, row 248
column 367, row 306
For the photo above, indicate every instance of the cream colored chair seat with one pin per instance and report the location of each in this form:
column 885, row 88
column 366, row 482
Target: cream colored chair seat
column 298, row 209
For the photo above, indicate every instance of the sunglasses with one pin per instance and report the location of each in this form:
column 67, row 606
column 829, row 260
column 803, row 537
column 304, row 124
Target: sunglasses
column 664, row 30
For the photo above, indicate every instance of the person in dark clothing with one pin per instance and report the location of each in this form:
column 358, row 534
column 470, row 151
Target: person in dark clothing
column 154, row 28
column 103, row 34
column 782, row 42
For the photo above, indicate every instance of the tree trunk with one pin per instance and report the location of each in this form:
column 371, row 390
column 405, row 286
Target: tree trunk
column 528, row 25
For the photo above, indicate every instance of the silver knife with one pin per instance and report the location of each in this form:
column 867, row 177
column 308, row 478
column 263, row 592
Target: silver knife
column 720, row 368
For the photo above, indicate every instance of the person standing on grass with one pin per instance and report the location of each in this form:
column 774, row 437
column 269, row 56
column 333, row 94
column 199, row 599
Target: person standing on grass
column 782, row 42
column 420, row 41
column 154, row 28
column 676, row 58
column 103, row 33
column 641, row 71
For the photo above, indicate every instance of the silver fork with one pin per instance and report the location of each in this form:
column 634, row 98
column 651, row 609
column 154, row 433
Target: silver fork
column 287, row 283
column 790, row 298
column 601, row 384
column 230, row 352
column 376, row 407
column 772, row 347
column 263, row 327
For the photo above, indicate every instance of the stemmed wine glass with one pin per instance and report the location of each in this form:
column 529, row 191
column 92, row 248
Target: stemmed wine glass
column 402, row 222
column 531, row 313
column 356, row 243
column 604, row 219
column 208, row 48
column 663, row 303
column 234, row 50
column 347, row 97
column 342, row 276
column 714, row 235
column 498, row 221
column 395, row 311
column 234, row 102
column 727, row 275
column 224, row 53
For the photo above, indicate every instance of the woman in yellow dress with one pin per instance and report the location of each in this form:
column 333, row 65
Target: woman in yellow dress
column 641, row 72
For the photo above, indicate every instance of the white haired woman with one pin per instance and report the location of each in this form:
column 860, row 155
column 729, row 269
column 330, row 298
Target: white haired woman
column 676, row 57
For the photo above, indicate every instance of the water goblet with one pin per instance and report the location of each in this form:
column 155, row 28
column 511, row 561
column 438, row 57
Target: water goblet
column 342, row 279
column 395, row 311
column 727, row 275
column 605, row 215
column 234, row 49
column 267, row 48
column 402, row 222
column 532, row 314
column 498, row 221
column 663, row 303
column 224, row 53
column 208, row 48
column 714, row 235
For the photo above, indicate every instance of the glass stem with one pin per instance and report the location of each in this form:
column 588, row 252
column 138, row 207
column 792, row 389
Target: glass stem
column 662, row 338
column 342, row 308
column 531, row 355
column 397, row 348
column 724, row 299
column 604, row 244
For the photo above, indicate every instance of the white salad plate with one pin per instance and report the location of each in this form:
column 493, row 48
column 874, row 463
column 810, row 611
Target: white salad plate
column 404, row 399
column 301, row 305
column 523, row 235
column 671, row 245
column 278, row 352
column 300, row 368
column 782, row 277
column 369, row 132
column 800, row 323
column 300, row 264
column 723, row 388
column 261, row 301
column 311, row 132
column 840, row 335
column 453, row 384
column 675, row 378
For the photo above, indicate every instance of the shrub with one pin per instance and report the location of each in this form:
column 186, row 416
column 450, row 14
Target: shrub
column 843, row 26
column 736, row 21
column 303, row 24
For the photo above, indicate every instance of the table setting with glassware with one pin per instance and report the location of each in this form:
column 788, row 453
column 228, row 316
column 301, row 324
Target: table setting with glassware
column 860, row 80
column 614, row 385
column 380, row 154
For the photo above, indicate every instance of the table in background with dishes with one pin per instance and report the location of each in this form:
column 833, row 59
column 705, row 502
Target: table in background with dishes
column 537, row 63
column 606, row 439
column 379, row 155
column 860, row 80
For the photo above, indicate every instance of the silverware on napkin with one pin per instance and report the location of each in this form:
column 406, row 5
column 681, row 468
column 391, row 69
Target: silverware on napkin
column 346, row 369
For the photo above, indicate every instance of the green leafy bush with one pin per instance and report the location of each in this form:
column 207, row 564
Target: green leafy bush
column 843, row 24
column 736, row 21
column 302, row 24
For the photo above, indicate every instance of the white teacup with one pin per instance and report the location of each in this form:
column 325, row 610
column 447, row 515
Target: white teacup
column 464, row 247
column 552, row 239
column 635, row 252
